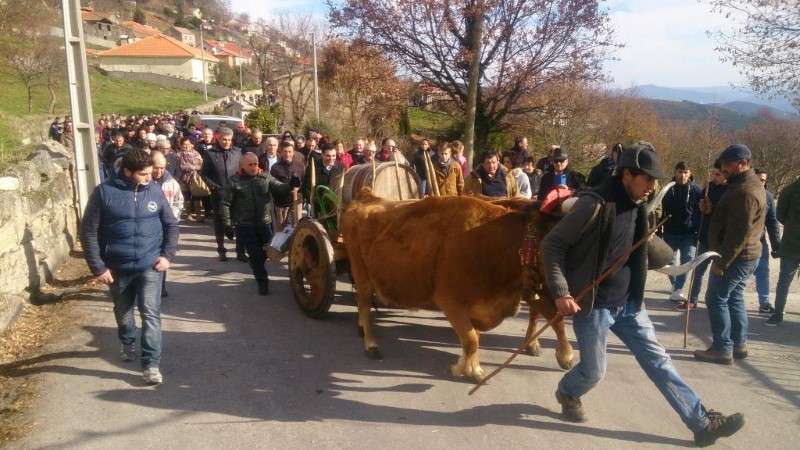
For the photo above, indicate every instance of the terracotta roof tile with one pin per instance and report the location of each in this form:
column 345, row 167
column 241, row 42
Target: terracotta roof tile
column 158, row 46
column 139, row 29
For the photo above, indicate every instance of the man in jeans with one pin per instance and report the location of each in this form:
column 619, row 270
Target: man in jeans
column 681, row 203
column 737, row 223
column 129, row 236
column 788, row 213
column 773, row 231
column 599, row 230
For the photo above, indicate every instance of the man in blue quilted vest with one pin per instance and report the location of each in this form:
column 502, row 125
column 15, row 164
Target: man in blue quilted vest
column 129, row 236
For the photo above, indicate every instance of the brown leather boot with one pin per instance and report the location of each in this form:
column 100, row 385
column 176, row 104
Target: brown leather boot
column 571, row 408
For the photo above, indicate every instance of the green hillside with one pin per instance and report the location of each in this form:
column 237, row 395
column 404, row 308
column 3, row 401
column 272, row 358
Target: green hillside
column 108, row 95
column 686, row 111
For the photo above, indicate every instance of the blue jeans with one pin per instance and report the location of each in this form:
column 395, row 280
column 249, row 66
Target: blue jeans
column 683, row 245
column 762, row 276
column 144, row 290
column 788, row 271
column 637, row 333
column 725, row 303
column 699, row 273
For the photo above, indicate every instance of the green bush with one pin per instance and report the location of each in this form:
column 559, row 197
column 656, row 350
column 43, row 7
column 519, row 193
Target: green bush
column 264, row 118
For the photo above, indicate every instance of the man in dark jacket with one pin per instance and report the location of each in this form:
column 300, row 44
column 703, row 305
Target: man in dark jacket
column 324, row 173
column 247, row 206
column 735, row 233
column 788, row 213
column 711, row 195
column 283, row 170
column 220, row 163
column 773, row 231
column 129, row 236
column 255, row 144
column 599, row 230
column 113, row 153
column 682, row 205
column 520, row 152
column 559, row 175
column 605, row 168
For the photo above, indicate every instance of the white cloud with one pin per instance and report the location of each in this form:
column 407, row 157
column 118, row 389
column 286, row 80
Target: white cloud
column 666, row 44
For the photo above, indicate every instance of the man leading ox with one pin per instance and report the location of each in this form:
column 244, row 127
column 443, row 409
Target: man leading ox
column 602, row 226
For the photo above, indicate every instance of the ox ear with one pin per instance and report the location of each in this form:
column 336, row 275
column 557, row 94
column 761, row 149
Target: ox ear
column 365, row 195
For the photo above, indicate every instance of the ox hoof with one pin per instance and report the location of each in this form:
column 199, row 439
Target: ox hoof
column 565, row 363
column 373, row 353
column 534, row 351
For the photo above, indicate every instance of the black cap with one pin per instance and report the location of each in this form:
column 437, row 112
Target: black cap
column 641, row 156
column 735, row 152
column 559, row 154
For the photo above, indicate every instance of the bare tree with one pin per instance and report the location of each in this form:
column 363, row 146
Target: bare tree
column 776, row 148
column 525, row 45
column 765, row 44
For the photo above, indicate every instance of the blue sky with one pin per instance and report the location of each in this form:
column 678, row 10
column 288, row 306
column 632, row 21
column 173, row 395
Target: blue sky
column 665, row 40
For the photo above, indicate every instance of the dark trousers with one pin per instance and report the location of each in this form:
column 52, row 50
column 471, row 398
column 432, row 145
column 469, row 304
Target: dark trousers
column 253, row 239
column 219, row 227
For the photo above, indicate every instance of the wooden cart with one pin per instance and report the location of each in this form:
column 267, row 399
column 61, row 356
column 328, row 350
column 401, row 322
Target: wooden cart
column 317, row 252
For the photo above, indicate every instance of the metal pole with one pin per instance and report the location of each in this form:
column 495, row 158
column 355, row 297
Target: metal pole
column 80, row 101
column 316, row 81
column 203, row 55
column 241, row 78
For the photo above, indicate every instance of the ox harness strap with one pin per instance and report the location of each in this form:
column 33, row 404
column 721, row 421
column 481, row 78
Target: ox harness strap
column 532, row 286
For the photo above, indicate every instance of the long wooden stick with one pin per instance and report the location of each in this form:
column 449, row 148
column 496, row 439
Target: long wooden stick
column 428, row 172
column 691, row 281
column 584, row 292
column 435, row 181
column 397, row 174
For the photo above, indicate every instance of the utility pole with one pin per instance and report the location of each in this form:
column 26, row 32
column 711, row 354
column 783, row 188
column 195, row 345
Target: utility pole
column 203, row 55
column 80, row 100
column 241, row 78
column 316, row 81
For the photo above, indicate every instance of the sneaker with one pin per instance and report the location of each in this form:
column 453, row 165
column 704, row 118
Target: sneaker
column 571, row 408
column 127, row 353
column 740, row 352
column 774, row 320
column 766, row 309
column 718, row 426
column 152, row 375
column 677, row 296
column 713, row 356
column 682, row 306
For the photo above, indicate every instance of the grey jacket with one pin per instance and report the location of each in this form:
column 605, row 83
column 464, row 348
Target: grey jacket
column 575, row 250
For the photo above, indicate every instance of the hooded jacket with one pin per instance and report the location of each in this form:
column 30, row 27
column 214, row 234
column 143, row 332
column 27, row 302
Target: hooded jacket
column 127, row 227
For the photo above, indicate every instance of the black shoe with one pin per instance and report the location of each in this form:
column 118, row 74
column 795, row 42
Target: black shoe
column 164, row 293
column 774, row 320
column 713, row 356
column 571, row 408
column 740, row 352
column 242, row 257
column 766, row 309
column 718, row 426
column 222, row 256
column 263, row 287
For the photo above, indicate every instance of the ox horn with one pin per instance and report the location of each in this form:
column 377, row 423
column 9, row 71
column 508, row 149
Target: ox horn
column 682, row 269
column 660, row 196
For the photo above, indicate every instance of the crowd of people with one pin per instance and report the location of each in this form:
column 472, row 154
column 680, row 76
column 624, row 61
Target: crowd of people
column 252, row 184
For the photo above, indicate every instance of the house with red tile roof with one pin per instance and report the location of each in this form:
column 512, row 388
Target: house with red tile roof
column 160, row 54
column 138, row 31
column 229, row 52
column 183, row 34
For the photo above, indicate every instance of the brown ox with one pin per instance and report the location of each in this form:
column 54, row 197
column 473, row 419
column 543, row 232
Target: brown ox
column 460, row 254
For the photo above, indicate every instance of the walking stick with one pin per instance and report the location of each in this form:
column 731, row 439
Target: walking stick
column 397, row 174
column 373, row 174
column 691, row 281
column 313, row 183
column 435, row 185
column 585, row 291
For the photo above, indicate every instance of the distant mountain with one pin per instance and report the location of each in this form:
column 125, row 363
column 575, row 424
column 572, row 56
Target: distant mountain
column 687, row 111
column 710, row 94
column 754, row 109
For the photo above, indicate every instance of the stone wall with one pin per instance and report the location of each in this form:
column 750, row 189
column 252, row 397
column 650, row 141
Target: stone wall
column 38, row 219
column 171, row 82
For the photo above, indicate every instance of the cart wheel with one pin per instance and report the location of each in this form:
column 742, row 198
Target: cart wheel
column 312, row 269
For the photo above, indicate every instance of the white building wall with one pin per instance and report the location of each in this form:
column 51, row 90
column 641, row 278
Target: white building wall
column 186, row 68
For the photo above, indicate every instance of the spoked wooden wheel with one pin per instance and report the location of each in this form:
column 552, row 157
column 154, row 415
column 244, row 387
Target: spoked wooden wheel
column 312, row 269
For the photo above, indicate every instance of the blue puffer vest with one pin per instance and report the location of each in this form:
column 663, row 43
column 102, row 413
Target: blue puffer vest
column 131, row 231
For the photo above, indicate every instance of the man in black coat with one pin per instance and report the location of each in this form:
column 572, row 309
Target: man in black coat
column 560, row 174
column 220, row 163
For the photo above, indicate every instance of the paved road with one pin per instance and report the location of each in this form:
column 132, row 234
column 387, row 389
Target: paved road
column 244, row 371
